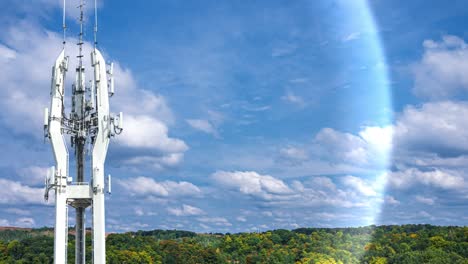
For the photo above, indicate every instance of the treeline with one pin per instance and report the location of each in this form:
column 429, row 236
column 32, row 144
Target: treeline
column 384, row 244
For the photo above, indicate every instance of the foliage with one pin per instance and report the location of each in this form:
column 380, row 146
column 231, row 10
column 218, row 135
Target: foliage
column 374, row 245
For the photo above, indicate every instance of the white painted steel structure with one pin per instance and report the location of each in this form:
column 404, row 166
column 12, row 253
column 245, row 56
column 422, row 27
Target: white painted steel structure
column 60, row 174
column 90, row 122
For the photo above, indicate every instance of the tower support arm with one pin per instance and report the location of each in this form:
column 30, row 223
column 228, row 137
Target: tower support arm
column 101, row 143
column 61, row 157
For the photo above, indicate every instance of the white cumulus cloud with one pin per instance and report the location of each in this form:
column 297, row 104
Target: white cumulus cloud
column 143, row 131
column 371, row 146
column 145, row 186
column 185, row 210
column 359, row 185
column 433, row 125
column 252, row 183
column 16, row 193
column 441, row 73
column 444, row 179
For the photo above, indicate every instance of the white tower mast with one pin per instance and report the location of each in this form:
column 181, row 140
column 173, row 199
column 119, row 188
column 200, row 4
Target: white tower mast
column 89, row 121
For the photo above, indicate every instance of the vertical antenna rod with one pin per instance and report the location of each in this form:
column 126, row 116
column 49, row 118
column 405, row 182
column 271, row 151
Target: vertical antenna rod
column 80, row 43
column 95, row 24
column 64, row 25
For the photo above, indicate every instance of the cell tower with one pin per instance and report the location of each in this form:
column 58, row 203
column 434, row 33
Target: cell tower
column 88, row 124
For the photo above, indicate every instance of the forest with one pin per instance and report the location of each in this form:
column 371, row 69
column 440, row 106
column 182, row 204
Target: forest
column 372, row 244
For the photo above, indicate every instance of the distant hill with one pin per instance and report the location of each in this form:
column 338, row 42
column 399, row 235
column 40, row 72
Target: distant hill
column 405, row 244
column 3, row 228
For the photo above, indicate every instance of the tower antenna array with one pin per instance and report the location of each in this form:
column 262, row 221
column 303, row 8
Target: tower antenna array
column 89, row 121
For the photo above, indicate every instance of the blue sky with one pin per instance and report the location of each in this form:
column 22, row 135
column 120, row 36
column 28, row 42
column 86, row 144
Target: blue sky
column 253, row 116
